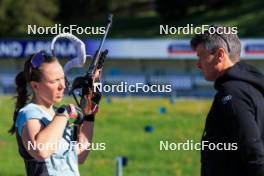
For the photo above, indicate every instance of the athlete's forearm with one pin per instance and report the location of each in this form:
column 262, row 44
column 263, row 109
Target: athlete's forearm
column 85, row 139
column 51, row 135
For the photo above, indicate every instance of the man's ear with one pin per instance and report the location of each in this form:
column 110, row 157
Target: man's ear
column 220, row 54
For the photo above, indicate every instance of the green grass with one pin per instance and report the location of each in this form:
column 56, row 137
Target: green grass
column 121, row 126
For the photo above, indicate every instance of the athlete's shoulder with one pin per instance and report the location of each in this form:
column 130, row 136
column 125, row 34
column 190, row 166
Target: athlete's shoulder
column 30, row 107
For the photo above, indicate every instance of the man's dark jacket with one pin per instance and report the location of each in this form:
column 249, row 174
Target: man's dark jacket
column 236, row 118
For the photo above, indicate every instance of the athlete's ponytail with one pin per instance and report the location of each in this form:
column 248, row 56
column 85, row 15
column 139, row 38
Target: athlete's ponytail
column 21, row 98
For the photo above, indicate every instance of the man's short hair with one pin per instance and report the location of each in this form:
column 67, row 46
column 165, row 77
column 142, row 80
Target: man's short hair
column 211, row 42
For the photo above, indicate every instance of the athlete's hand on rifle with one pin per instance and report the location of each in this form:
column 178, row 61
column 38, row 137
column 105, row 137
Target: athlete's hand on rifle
column 91, row 99
column 97, row 75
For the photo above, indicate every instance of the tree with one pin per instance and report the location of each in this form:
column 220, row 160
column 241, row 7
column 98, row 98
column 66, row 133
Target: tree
column 171, row 9
column 16, row 15
column 81, row 10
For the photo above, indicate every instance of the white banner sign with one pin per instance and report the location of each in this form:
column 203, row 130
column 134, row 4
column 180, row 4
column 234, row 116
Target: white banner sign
column 124, row 48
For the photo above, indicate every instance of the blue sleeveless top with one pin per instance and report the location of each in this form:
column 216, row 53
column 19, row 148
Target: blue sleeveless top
column 62, row 162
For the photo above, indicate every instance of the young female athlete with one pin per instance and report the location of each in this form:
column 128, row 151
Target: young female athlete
column 44, row 134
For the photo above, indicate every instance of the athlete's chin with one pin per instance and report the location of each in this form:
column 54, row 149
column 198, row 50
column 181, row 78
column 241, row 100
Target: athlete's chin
column 58, row 99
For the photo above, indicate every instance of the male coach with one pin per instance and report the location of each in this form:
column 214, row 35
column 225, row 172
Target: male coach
column 236, row 117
